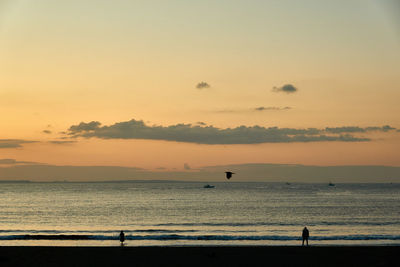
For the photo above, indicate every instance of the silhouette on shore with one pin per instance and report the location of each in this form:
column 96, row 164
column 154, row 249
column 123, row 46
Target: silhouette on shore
column 305, row 235
column 122, row 238
column 229, row 175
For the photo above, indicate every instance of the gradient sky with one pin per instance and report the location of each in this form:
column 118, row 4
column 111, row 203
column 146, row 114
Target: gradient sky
column 67, row 62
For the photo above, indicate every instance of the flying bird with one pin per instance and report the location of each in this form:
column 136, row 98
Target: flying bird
column 229, row 175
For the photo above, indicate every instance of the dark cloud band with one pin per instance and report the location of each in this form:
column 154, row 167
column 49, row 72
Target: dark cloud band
column 287, row 88
column 202, row 85
column 356, row 129
column 271, row 108
column 13, row 143
column 200, row 134
column 62, row 142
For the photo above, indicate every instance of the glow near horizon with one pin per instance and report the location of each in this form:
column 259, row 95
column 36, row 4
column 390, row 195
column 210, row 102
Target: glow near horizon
column 66, row 62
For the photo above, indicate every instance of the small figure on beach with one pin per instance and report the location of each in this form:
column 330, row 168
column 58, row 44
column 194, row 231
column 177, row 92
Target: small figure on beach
column 122, row 237
column 305, row 235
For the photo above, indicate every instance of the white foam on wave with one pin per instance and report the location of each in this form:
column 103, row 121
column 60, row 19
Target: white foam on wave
column 200, row 237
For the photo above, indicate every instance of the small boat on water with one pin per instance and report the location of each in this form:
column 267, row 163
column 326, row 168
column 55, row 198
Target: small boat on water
column 331, row 184
column 209, row 186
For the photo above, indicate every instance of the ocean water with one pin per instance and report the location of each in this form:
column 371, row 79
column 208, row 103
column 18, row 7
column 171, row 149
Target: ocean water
column 186, row 213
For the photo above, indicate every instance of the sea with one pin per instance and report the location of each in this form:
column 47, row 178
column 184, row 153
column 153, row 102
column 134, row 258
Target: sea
column 169, row 213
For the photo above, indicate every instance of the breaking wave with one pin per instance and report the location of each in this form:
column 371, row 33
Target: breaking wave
column 167, row 237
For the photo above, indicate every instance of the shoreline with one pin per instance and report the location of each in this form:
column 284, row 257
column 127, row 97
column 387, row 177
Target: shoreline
column 360, row 255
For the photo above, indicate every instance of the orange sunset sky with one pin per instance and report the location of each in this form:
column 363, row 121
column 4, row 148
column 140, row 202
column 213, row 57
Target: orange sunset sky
column 178, row 85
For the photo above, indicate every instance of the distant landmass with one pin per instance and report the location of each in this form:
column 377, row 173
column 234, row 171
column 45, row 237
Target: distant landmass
column 15, row 181
column 244, row 172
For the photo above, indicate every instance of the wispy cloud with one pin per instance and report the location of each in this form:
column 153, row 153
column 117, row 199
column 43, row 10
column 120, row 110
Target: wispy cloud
column 62, row 142
column 199, row 134
column 90, row 126
column 249, row 110
column 271, row 108
column 356, row 129
column 202, row 85
column 13, row 143
column 287, row 88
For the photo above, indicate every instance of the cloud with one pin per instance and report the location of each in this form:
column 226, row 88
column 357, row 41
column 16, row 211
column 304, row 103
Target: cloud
column 13, row 143
column 356, row 129
column 346, row 129
column 62, row 142
column 385, row 128
column 46, row 131
column 229, row 111
column 257, row 109
column 188, row 133
column 202, row 85
column 90, row 126
column 287, row 88
column 271, row 108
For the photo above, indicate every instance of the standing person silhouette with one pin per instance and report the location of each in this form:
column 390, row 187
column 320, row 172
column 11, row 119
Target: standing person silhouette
column 122, row 238
column 305, row 235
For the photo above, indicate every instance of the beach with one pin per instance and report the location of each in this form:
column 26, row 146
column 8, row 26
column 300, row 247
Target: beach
column 201, row 256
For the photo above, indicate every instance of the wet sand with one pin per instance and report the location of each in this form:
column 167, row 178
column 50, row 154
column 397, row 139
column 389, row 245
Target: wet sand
column 201, row 256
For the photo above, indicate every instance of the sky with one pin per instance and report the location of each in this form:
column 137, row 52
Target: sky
column 177, row 86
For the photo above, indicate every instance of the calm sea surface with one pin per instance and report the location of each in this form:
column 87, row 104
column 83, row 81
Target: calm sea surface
column 185, row 213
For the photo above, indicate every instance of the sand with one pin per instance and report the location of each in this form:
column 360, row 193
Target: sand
column 202, row 256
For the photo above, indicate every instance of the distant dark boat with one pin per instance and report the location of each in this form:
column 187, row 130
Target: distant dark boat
column 287, row 183
column 331, row 184
column 209, row 186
